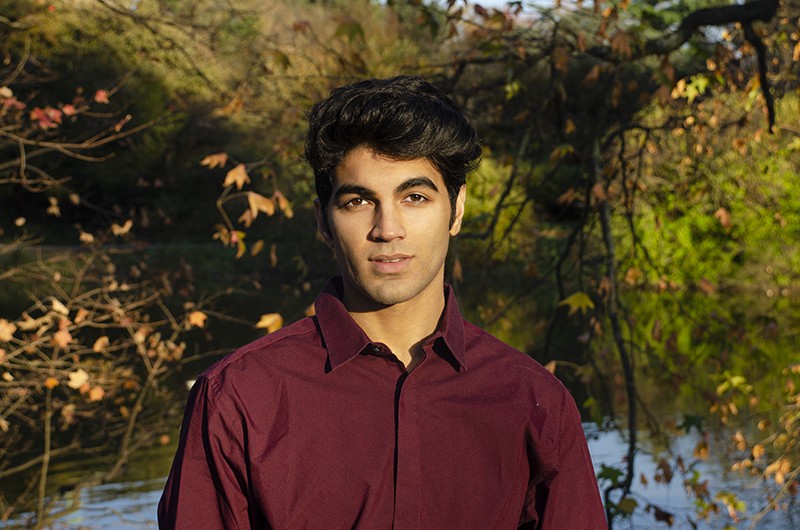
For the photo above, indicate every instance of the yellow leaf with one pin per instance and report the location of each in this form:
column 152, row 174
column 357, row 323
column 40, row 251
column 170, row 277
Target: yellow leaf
column 100, row 344
column 259, row 203
column 577, row 302
column 96, row 393
column 258, row 247
column 121, row 230
column 215, row 160
column 311, row 311
column 78, row 378
column 197, row 319
column 51, row 382
column 271, row 322
column 551, row 367
column 569, row 127
column 60, row 308
column 7, row 330
column 237, row 176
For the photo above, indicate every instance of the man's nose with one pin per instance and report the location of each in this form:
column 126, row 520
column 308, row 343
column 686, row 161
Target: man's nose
column 388, row 225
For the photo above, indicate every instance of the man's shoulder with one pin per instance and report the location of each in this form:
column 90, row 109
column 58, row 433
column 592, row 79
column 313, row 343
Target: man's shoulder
column 489, row 352
column 253, row 359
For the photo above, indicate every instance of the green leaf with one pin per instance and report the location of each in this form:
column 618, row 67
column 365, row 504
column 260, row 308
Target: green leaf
column 577, row 302
column 612, row 474
column 627, row 505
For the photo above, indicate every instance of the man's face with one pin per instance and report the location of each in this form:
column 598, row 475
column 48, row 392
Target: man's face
column 388, row 222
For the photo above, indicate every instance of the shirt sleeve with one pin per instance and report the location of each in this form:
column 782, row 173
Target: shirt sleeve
column 207, row 485
column 569, row 497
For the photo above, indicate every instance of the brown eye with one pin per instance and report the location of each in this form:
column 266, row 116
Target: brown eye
column 416, row 197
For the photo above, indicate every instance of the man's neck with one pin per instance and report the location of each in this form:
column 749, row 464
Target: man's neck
column 403, row 327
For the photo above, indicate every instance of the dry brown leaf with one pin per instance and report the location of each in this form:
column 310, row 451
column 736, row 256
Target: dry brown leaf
column 237, row 176
column 271, row 322
column 561, row 59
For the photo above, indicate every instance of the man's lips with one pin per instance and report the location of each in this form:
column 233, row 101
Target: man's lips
column 390, row 263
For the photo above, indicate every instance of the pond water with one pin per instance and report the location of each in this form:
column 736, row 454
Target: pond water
column 131, row 503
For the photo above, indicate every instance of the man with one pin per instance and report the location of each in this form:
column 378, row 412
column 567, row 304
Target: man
column 386, row 409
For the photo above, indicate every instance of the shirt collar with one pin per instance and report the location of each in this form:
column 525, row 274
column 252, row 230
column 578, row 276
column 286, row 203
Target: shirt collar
column 344, row 339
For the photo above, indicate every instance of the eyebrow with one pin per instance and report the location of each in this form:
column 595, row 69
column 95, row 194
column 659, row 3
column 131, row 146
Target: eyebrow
column 415, row 182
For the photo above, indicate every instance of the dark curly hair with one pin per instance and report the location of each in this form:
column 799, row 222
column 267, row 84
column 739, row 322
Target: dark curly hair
column 402, row 118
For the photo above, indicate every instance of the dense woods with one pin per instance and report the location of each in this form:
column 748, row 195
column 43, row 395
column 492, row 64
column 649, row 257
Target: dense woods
column 633, row 225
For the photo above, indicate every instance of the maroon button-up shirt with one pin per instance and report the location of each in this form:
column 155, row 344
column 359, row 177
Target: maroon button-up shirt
column 317, row 427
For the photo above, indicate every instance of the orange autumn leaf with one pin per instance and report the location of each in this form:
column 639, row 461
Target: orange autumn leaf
column 51, row 382
column 197, row 319
column 100, row 344
column 62, row 338
column 7, row 330
column 96, row 393
column 101, row 96
column 237, row 176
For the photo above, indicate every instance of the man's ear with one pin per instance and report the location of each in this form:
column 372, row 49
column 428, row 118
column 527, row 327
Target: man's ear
column 322, row 223
column 461, row 200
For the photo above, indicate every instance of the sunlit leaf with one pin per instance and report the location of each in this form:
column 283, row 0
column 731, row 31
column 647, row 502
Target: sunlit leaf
column 237, row 176
column 7, row 330
column 273, row 255
column 100, row 344
column 77, row 378
column 62, row 338
column 271, row 322
column 197, row 319
column 96, row 393
column 50, row 382
column 215, row 160
column 121, row 230
column 551, row 366
column 257, row 248
column 578, row 301
column 101, row 96
column 259, row 203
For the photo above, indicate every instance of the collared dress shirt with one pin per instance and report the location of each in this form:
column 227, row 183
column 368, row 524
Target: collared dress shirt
column 316, row 427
